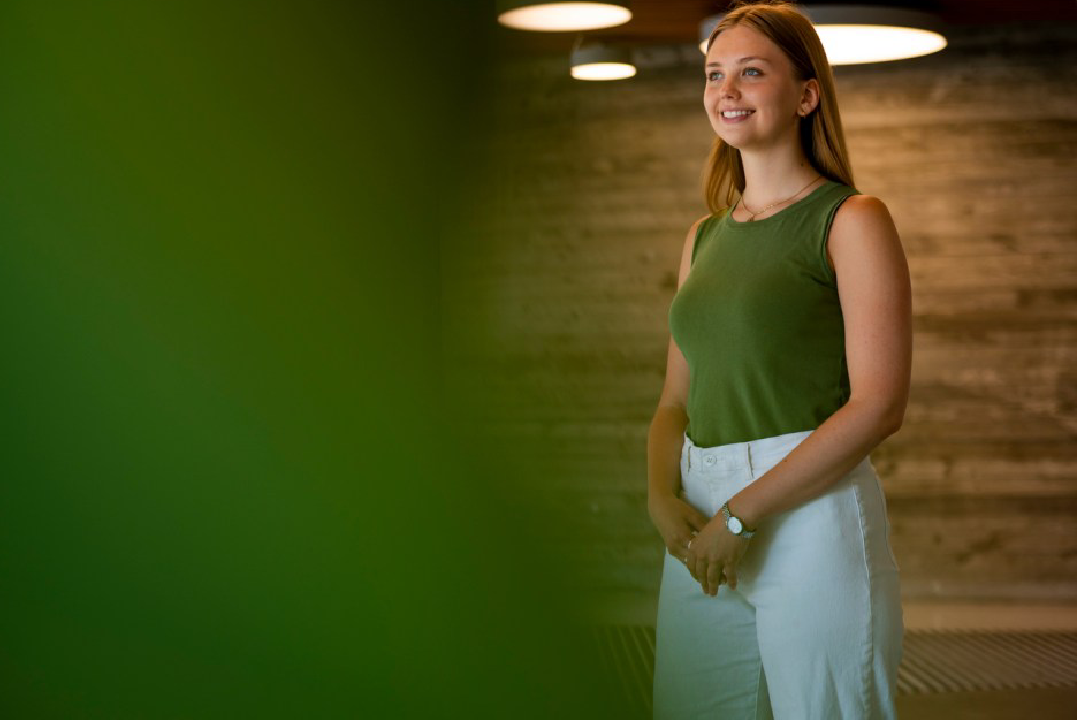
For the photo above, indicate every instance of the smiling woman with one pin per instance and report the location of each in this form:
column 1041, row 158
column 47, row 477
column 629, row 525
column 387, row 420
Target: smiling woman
column 789, row 361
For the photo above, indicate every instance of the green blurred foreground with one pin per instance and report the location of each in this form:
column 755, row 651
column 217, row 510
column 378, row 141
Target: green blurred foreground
column 229, row 488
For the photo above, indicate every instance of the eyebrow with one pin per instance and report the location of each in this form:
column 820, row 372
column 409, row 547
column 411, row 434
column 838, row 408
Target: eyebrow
column 741, row 60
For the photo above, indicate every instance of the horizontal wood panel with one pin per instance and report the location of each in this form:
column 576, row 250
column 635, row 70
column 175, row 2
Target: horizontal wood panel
column 551, row 371
column 1030, row 418
column 556, row 302
column 598, row 460
column 960, row 549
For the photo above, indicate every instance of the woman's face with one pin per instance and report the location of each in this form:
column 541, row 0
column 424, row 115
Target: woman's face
column 745, row 70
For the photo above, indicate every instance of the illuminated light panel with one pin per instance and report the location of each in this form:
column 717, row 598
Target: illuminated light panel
column 564, row 16
column 603, row 71
column 853, row 34
column 853, row 44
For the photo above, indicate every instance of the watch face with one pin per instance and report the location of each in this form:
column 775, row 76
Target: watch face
column 735, row 525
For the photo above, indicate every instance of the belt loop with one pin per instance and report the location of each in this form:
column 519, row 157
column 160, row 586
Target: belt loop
column 748, row 452
column 688, row 447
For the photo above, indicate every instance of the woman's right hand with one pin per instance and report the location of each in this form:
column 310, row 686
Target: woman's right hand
column 677, row 522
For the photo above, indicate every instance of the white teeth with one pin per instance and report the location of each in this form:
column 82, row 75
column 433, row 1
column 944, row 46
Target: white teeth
column 737, row 113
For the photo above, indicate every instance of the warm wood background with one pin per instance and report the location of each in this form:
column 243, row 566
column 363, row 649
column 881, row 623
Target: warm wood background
column 556, row 301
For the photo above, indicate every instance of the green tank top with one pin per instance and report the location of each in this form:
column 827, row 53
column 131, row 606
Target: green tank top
column 759, row 321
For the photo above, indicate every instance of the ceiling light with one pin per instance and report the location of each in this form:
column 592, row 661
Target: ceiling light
column 853, row 34
column 602, row 61
column 862, row 33
column 562, row 16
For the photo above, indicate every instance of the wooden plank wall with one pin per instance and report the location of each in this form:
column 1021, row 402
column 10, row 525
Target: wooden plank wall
column 557, row 292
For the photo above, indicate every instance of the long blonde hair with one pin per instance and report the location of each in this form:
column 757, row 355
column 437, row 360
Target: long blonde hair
column 821, row 134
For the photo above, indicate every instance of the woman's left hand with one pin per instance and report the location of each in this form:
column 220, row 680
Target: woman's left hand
column 715, row 551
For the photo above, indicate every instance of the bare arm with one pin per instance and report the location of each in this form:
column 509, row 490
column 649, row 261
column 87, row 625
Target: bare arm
column 676, row 520
column 875, row 293
column 666, row 436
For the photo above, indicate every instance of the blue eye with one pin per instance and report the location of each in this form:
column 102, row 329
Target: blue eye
column 711, row 75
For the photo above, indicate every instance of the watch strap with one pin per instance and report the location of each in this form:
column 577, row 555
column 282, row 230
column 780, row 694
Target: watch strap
column 745, row 532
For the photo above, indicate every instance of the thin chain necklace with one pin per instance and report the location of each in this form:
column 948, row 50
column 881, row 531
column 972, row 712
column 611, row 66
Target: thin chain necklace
column 740, row 201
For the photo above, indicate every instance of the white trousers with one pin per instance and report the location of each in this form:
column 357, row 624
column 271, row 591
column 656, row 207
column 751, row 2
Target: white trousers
column 813, row 630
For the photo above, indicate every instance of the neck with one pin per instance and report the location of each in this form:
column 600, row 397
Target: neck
column 774, row 174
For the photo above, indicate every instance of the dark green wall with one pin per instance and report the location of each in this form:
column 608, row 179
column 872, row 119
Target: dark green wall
column 228, row 484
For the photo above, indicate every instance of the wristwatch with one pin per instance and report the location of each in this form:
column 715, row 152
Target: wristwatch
column 735, row 524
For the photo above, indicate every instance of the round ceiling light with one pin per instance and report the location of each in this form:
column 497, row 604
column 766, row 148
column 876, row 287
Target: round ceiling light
column 854, row 34
column 602, row 61
column 563, row 16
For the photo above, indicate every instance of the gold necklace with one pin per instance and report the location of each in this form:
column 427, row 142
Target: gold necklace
column 740, row 201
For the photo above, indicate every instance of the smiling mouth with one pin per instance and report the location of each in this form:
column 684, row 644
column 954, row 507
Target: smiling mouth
column 736, row 117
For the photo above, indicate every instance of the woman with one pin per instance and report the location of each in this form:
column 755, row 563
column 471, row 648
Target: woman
column 789, row 362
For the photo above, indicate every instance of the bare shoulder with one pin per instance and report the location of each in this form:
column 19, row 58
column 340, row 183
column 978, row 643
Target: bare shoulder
column 861, row 215
column 695, row 228
column 860, row 222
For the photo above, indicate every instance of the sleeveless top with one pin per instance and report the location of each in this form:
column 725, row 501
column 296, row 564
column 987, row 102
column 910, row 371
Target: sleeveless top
column 759, row 321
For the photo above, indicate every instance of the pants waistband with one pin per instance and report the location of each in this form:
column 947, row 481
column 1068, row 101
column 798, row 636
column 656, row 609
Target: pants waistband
column 742, row 454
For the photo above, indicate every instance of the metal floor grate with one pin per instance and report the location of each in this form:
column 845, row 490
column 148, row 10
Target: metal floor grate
column 962, row 660
column 627, row 653
column 933, row 661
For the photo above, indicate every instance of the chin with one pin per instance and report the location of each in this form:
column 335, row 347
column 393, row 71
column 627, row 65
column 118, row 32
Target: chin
column 738, row 143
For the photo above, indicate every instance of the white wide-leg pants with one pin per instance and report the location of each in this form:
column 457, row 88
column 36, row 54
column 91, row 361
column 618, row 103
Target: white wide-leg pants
column 813, row 630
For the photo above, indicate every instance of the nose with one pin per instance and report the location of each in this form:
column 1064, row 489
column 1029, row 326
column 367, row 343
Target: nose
column 728, row 87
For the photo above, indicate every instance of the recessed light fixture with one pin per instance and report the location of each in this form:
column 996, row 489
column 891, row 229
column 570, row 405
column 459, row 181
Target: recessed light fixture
column 602, row 61
column 854, row 34
column 562, row 16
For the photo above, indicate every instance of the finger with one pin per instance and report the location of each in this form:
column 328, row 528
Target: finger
column 689, row 557
column 714, row 571
column 701, row 571
column 679, row 544
column 731, row 578
column 686, row 543
column 708, row 583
